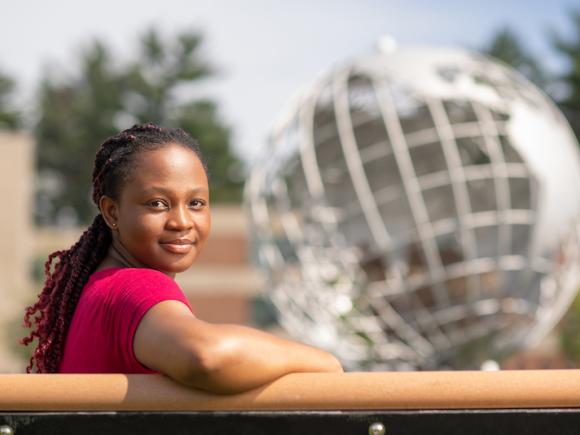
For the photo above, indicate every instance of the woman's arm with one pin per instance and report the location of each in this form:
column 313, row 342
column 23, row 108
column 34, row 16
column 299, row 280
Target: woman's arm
column 219, row 358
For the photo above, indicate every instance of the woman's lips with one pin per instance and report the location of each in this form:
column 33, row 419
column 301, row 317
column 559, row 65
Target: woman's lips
column 178, row 246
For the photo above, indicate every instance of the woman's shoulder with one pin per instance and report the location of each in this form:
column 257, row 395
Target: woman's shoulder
column 139, row 277
column 131, row 286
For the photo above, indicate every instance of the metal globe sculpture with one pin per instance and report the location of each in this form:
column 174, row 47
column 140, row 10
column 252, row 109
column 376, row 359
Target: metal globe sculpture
column 419, row 208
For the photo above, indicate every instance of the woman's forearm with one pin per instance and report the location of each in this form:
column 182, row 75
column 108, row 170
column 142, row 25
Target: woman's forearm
column 243, row 358
column 220, row 358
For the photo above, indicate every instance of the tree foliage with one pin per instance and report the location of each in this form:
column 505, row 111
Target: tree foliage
column 569, row 50
column 77, row 113
column 10, row 118
column 506, row 46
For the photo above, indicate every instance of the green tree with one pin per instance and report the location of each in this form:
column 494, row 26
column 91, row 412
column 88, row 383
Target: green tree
column 569, row 50
column 10, row 118
column 78, row 113
column 506, row 46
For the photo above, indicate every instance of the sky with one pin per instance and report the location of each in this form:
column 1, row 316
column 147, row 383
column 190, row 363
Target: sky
column 264, row 51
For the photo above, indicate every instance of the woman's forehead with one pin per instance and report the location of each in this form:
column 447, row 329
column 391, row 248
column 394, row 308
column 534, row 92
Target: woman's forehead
column 170, row 164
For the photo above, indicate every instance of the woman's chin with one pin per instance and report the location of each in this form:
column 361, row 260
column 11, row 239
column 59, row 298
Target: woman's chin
column 174, row 268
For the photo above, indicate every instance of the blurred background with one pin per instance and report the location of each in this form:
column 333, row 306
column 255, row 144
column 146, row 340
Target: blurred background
column 72, row 74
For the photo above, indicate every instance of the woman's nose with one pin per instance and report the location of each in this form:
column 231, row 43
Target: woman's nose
column 179, row 219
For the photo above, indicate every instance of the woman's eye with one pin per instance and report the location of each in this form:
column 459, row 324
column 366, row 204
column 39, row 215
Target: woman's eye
column 157, row 204
column 197, row 203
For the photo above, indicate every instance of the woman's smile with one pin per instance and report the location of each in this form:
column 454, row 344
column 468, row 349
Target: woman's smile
column 178, row 246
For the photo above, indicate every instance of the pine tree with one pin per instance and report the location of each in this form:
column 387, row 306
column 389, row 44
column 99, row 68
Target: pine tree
column 569, row 50
column 506, row 46
column 10, row 118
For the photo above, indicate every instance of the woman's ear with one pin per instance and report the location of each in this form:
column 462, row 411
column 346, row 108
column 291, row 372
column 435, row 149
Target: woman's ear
column 109, row 210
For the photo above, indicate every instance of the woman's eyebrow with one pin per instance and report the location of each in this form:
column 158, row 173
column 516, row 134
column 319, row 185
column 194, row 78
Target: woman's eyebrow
column 166, row 191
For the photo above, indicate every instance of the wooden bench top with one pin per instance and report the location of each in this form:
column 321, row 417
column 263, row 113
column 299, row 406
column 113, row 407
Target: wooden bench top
column 305, row 391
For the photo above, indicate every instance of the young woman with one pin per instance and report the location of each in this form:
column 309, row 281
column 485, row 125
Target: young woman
column 110, row 304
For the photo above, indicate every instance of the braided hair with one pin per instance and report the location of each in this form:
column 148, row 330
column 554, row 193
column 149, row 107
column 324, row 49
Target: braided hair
column 67, row 272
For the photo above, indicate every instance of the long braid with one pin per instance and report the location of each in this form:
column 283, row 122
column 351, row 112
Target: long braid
column 67, row 271
column 61, row 292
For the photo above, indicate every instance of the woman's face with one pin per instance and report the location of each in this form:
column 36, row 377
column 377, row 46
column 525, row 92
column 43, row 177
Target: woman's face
column 162, row 214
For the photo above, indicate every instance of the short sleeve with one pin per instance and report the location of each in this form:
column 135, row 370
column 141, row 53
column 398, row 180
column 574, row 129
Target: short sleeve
column 142, row 289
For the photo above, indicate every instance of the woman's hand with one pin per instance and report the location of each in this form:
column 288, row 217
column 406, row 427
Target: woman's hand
column 220, row 358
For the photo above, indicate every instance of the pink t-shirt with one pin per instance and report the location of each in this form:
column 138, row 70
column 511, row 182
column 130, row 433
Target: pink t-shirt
column 113, row 302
